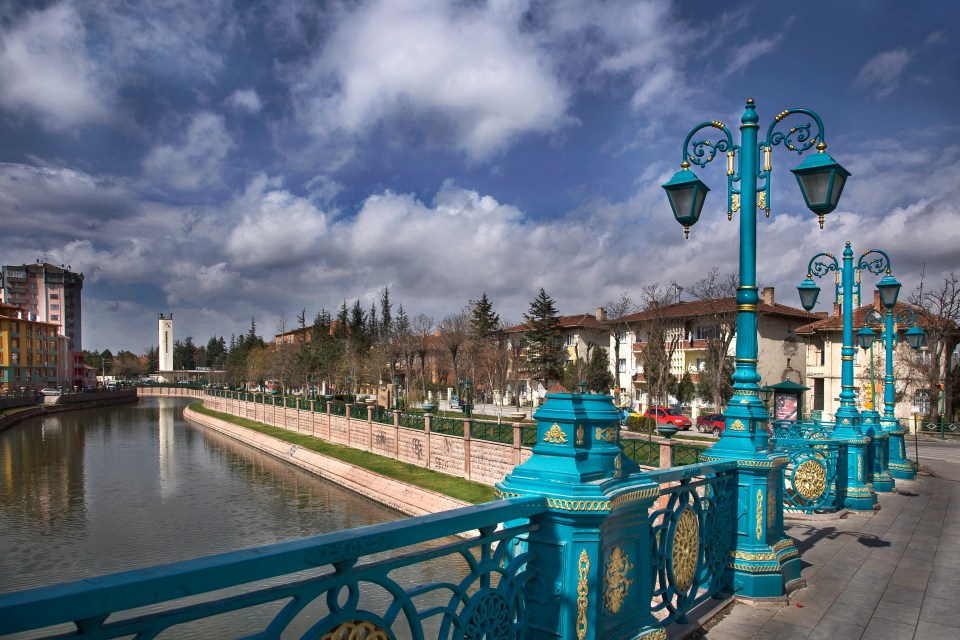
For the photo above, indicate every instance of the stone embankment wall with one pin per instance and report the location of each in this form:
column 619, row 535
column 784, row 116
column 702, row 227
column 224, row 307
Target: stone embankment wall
column 66, row 402
column 405, row 498
column 465, row 457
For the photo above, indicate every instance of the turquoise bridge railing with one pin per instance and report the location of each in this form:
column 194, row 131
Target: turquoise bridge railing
column 815, row 476
column 581, row 544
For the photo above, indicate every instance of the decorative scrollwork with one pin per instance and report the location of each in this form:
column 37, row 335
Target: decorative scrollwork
column 878, row 263
column 356, row 630
column 821, row 268
column 555, row 435
column 607, row 435
column 704, row 151
column 801, row 137
column 490, row 618
column 686, row 549
column 810, row 479
column 617, row 585
column 583, row 569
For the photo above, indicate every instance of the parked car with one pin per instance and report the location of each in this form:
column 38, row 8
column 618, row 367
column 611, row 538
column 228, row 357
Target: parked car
column 50, row 392
column 668, row 415
column 711, row 423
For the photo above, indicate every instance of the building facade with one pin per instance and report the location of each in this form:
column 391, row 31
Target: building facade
column 30, row 351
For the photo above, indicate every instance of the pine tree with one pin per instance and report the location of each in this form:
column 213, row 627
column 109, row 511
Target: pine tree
column 599, row 378
column 484, row 321
column 544, row 350
column 343, row 322
column 386, row 315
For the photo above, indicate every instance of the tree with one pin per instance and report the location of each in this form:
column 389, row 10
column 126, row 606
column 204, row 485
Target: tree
column 718, row 294
column 598, row 378
column 487, row 351
column 616, row 320
column 938, row 315
column 545, row 353
column 327, row 350
column 127, row 365
column 453, row 332
column 662, row 340
column 422, row 330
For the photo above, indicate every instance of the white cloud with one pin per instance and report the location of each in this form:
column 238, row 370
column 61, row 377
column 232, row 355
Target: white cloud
column 195, row 162
column 246, row 100
column 467, row 69
column 46, row 70
column 271, row 226
column 881, row 74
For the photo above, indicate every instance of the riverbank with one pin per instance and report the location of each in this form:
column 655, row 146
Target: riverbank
column 405, row 498
column 67, row 402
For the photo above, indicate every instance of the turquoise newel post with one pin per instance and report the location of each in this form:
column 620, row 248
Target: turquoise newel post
column 900, row 467
column 576, row 463
column 765, row 562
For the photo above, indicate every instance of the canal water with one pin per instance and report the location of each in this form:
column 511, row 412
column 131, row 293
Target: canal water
column 90, row 492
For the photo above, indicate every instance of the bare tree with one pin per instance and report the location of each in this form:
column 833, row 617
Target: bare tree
column 615, row 320
column 281, row 365
column 454, row 331
column 718, row 294
column 939, row 315
column 422, row 329
column 662, row 341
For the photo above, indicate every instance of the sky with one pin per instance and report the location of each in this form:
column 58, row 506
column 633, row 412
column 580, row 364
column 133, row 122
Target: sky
column 229, row 161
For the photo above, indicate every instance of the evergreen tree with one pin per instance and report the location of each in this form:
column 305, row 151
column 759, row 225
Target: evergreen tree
column 599, row 379
column 545, row 353
column 386, row 312
column 484, row 321
column 357, row 328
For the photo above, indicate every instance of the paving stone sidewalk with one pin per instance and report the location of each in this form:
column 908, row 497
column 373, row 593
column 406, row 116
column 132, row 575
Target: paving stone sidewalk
column 894, row 574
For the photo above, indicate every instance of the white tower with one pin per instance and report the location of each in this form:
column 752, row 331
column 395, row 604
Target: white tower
column 166, row 343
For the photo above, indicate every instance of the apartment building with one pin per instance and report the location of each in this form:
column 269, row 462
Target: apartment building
column 691, row 325
column 51, row 294
column 31, row 351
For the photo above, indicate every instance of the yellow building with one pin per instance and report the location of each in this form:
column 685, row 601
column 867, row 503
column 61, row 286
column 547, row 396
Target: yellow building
column 28, row 351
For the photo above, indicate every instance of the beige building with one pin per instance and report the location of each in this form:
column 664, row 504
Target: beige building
column 693, row 325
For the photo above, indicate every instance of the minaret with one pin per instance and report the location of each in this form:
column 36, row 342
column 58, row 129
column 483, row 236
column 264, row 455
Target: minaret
column 166, row 343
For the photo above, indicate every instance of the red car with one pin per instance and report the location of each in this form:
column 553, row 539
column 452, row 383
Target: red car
column 711, row 423
column 666, row 415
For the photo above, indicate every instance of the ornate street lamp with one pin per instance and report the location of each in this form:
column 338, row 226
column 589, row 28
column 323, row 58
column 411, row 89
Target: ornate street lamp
column 745, row 437
column 396, row 393
column 860, row 491
column 467, row 397
column 899, row 466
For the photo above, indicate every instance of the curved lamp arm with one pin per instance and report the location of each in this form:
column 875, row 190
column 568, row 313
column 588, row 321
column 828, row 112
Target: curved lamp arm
column 821, row 268
column 877, row 264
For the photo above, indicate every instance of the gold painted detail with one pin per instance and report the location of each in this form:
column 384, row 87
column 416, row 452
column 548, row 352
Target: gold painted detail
column 783, row 544
column 744, row 555
column 860, row 468
column 810, row 479
column 759, row 513
column 789, row 554
column 618, row 464
column 767, row 151
column 737, row 426
column 656, row 634
column 717, row 124
column 356, row 630
column 735, row 202
column 555, row 435
column 783, row 114
column 761, row 200
column 582, row 591
column 579, row 435
column 578, row 505
column 501, row 495
column 730, row 170
column 686, row 549
column 607, row 435
column 858, row 491
column 771, row 506
column 747, row 307
column 845, row 421
column 642, row 494
column 754, row 568
column 616, row 583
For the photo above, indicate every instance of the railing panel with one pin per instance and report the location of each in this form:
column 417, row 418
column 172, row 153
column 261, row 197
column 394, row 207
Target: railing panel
column 413, row 421
column 815, row 477
column 358, row 412
column 346, row 582
column 492, row 431
column 643, row 452
column 448, row 426
column 383, row 416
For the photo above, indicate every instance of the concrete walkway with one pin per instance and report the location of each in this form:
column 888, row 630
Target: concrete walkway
column 891, row 574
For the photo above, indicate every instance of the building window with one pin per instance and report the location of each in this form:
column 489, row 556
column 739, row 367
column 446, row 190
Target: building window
column 707, row 332
column 571, row 340
column 921, row 399
column 54, row 318
column 55, row 307
column 54, row 296
column 622, row 365
column 923, row 356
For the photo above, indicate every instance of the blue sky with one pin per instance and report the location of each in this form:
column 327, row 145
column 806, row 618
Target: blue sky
column 227, row 160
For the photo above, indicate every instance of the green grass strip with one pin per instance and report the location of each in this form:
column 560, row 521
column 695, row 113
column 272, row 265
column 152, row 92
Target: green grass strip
column 459, row 488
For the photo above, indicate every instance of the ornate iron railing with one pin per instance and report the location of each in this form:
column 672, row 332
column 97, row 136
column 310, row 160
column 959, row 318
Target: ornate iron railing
column 383, row 416
column 448, row 426
column 492, row 431
column 338, row 409
column 643, row 452
column 800, row 429
column 358, row 412
column 684, row 454
column 815, row 478
column 692, row 532
column 413, row 421
column 348, row 584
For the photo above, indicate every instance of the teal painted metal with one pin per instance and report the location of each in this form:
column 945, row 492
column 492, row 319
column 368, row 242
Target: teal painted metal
column 899, row 466
column 745, row 438
column 860, row 491
column 343, row 583
column 815, row 478
column 358, row 411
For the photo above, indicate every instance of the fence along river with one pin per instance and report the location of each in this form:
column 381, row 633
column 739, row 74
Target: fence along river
column 90, row 492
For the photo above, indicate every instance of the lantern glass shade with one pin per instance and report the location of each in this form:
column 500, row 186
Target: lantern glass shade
column 865, row 337
column 889, row 289
column 765, row 393
column 916, row 337
column 821, row 181
column 809, row 291
column 687, row 194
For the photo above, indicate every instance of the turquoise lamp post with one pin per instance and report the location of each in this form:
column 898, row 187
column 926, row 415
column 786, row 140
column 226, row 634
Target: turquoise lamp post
column 899, row 466
column 767, row 559
column 860, row 492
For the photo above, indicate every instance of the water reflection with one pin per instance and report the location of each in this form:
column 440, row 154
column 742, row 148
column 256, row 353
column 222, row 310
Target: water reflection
column 97, row 491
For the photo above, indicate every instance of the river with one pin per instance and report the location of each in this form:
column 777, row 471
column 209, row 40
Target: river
column 95, row 491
